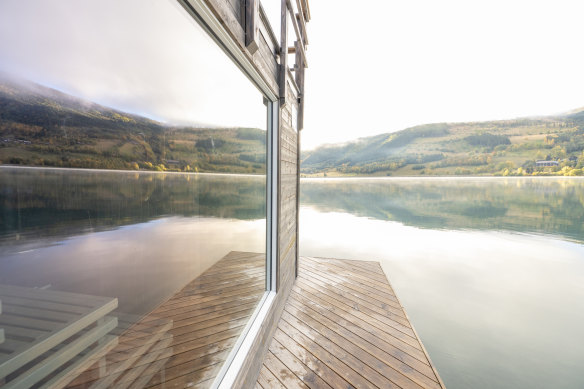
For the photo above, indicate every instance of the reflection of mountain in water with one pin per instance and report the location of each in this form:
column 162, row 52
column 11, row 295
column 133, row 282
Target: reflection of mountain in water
column 50, row 202
column 554, row 206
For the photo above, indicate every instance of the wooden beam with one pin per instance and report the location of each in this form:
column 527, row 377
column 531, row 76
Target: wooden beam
column 297, row 30
column 299, row 78
column 306, row 9
column 283, row 52
column 302, row 20
column 252, row 25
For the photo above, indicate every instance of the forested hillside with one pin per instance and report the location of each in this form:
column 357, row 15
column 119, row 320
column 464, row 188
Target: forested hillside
column 505, row 147
column 40, row 126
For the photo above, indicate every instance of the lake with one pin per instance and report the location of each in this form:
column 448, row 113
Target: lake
column 490, row 270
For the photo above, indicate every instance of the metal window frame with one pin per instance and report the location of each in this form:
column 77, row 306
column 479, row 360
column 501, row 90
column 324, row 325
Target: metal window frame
column 199, row 10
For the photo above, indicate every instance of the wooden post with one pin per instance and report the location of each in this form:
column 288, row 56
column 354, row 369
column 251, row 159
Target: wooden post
column 299, row 76
column 252, row 25
column 283, row 53
column 299, row 66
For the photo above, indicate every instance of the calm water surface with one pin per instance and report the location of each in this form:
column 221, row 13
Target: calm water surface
column 491, row 271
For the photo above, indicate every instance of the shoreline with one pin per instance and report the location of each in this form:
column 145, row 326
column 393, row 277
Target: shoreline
column 6, row 166
column 459, row 177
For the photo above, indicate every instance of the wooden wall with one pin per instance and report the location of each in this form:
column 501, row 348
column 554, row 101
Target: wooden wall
column 266, row 60
column 288, row 181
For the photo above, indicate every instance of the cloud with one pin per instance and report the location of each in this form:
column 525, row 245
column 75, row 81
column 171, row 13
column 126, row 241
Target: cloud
column 147, row 57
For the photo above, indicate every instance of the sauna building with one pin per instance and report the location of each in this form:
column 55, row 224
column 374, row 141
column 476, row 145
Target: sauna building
column 151, row 239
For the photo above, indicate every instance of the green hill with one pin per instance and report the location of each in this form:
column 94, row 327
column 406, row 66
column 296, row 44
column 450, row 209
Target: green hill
column 40, row 126
column 503, row 147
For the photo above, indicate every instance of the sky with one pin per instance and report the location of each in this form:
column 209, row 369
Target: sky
column 382, row 66
column 374, row 66
column 147, row 57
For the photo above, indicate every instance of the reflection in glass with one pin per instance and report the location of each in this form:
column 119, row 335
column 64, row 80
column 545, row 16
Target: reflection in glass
column 140, row 272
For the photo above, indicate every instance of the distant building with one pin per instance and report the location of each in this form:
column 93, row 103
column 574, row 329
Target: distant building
column 546, row 163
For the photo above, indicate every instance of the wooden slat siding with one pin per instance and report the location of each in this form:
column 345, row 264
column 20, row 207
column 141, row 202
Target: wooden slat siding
column 288, row 188
column 267, row 54
column 189, row 336
column 338, row 332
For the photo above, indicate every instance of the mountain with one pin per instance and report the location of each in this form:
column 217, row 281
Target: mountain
column 503, row 147
column 40, row 126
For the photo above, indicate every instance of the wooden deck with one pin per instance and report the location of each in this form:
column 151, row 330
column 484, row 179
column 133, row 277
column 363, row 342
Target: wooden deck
column 344, row 327
column 184, row 342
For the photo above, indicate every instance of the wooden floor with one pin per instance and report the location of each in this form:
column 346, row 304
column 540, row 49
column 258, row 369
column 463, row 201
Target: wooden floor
column 344, row 327
column 184, row 342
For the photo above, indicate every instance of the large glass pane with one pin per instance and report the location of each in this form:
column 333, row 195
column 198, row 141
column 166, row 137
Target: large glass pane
column 133, row 193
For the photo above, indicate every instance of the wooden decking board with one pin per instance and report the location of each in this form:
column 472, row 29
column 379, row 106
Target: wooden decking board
column 215, row 316
column 389, row 344
column 185, row 340
column 414, row 370
column 353, row 315
column 218, row 292
column 309, row 377
column 188, row 300
column 355, row 269
column 343, row 298
column 197, row 379
column 211, row 309
column 220, row 283
column 343, row 326
column 230, row 321
column 386, row 297
column 358, row 272
column 283, row 373
column 321, row 369
column 363, row 300
column 373, row 295
column 351, row 347
column 183, row 364
column 291, row 323
column 268, row 380
column 358, row 278
column 249, row 293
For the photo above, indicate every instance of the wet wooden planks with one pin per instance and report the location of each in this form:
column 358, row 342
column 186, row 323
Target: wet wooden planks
column 344, row 327
column 185, row 341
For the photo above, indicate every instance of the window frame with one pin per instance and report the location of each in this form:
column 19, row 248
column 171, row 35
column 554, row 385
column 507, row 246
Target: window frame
column 202, row 14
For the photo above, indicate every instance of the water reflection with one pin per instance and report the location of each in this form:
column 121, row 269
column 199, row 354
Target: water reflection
column 496, row 305
column 59, row 202
column 123, row 272
column 543, row 205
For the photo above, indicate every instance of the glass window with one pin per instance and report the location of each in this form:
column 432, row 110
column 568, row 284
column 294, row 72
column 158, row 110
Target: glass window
column 133, row 192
